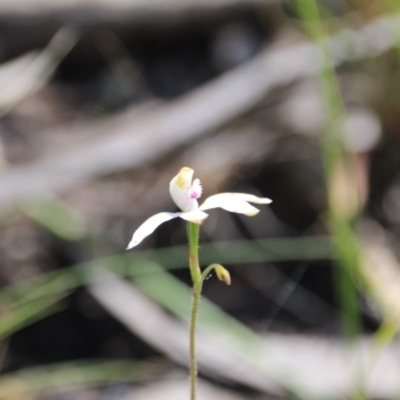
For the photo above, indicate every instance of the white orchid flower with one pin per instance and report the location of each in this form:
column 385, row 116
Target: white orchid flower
column 185, row 195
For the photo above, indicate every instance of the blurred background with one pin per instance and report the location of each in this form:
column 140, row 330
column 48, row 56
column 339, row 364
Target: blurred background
column 101, row 104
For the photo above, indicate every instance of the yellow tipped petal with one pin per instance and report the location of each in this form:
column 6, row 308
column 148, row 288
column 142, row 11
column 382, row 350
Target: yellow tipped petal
column 234, row 202
column 184, row 178
column 251, row 198
column 149, row 226
column 183, row 192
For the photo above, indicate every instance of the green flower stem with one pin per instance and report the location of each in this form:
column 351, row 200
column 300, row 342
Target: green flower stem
column 193, row 234
column 197, row 278
column 206, row 272
column 193, row 324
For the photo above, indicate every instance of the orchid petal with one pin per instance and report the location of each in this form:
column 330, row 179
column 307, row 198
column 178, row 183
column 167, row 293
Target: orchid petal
column 182, row 191
column 195, row 216
column 235, row 202
column 251, row 198
column 149, row 226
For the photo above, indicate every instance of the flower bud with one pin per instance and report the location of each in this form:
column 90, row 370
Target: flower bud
column 222, row 274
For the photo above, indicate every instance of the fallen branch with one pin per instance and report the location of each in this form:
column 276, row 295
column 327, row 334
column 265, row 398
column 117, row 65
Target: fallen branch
column 122, row 7
column 314, row 367
column 134, row 138
column 29, row 73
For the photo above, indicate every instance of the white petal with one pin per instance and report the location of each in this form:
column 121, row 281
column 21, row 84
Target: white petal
column 195, row 216
column 149, row 226
column 251, row 198
column 234, row 202
column 180, row 189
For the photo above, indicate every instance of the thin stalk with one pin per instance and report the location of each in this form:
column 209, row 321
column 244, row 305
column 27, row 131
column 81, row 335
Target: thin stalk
column 345, row 242
column 193, row 324
column 193, row 234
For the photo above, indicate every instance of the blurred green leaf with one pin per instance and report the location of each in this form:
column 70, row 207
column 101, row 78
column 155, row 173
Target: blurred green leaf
column 61, row 377
column 27, row 301
column 57, row 216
